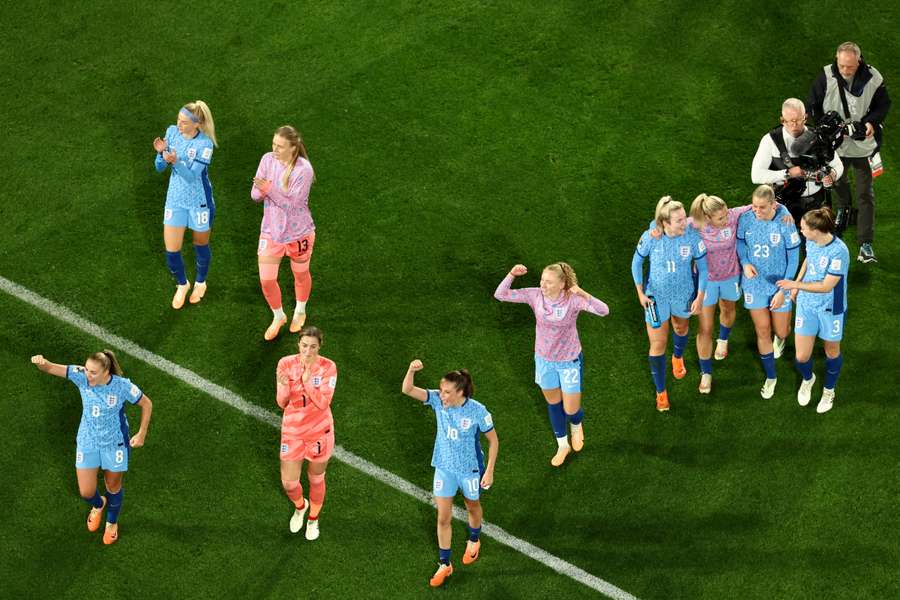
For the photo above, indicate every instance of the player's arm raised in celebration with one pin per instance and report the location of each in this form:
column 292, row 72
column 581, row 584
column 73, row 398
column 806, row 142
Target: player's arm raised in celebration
column 593, row 305
column 46, row 366
column 503, row 293
column 487, row 480
column 137, row 440
column 409, row 388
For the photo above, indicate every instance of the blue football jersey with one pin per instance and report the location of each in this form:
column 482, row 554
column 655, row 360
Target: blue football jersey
column 671, row 275
column 767, row 243
column 189, row 185
column 457, row 442
column 103, row 422
column 831, row 259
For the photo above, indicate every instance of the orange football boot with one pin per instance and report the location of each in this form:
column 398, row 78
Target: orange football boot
column 662, row 401
column 443, row 572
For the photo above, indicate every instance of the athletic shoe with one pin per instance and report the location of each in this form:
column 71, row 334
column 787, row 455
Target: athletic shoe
column 578, row 438
column 826, row 402
column 805, row 391
column 297, row 517
column 180, row 295
column 768, row 388
column 705, row 383
column 662, row 401
column 778, row 346
column 111, row 534
column 198, row 293
column 721, row 349
column 560, row 457
column 274, row 328
column 93, row 520
column 312, row 529
column 297, row 322
column 443, row 572
column 678, row 370
column 866, row 254
column 472, row 551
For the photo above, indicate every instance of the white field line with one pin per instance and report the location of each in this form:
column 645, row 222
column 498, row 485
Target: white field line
column 231, row 399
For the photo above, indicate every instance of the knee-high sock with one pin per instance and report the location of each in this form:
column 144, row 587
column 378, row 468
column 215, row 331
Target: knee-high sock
column 706, row 366
column 203, row 256
column 294, row 491
column 272, row 292
column 805, row 368
column 316, row 490
column 680, row 342
column 176, row 266
column 768, row 362
column 724, row 332
column 658, row 371
column 577, row 417
column 302, row 280
column 113, row 506
column 95, row 501
column 832, row 370
column 557, row 419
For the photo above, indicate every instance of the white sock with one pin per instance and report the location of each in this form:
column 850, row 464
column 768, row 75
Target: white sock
column 575, row 427
column 278, row 312
column 300, row 308
column 562, row 442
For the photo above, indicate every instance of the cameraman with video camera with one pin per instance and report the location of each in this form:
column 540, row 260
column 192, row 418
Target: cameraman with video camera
column 856, row 92
column 797, row 162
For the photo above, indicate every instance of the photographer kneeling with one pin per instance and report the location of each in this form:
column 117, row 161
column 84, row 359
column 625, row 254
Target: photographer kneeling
column 799, row 178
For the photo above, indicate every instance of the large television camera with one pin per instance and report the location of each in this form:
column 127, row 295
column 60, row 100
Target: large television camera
column 812, row 151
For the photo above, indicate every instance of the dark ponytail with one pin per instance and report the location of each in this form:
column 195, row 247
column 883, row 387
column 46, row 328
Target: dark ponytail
column 462, row 381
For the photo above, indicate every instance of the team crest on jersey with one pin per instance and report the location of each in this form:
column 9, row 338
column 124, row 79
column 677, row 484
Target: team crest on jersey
column 111, row 399
column 726, row 233
column 465, row 423
column 192, row 153
column 284, row 448
column 317, row 381
column 823, row 262
column 559, row 313
column 775, row 238
column 684, row 251
column 135, row 392
column 332, row 381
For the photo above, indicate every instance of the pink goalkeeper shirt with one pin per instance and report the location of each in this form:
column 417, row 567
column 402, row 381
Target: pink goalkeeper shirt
column 307, row 406
column 555, row 334
column 286, row 215
column 721, row 246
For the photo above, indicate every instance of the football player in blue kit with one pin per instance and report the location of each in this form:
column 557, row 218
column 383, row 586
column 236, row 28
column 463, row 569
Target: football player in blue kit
column 188, row 148
column 769, row 250
column 821, row 298
column 671, row 290
column 457, row 458
column 103, row 440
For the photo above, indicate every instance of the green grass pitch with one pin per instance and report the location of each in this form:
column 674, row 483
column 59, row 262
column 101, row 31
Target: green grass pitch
column 450, row 141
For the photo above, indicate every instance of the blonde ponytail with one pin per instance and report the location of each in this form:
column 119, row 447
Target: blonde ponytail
column 199, row 109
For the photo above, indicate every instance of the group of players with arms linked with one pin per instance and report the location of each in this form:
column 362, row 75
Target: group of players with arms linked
column 712, row 258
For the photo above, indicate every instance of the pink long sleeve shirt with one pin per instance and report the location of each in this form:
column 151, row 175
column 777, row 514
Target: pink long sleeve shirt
column 555, row 335
column 286, row 216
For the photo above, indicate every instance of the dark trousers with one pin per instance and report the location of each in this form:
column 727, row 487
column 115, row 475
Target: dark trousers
column 865, row 196
column 798, row 206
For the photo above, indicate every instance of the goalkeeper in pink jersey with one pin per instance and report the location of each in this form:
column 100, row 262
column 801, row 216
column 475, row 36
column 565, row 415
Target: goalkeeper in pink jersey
column 558, row 360
column 282, row 184
column 305, row 386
